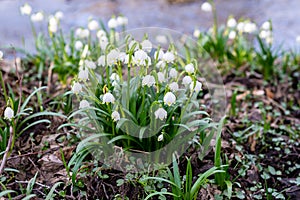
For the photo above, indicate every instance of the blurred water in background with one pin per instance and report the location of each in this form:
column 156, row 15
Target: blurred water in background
column 15, row 29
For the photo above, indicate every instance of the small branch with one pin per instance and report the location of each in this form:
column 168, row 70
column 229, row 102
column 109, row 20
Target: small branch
column 6, row 150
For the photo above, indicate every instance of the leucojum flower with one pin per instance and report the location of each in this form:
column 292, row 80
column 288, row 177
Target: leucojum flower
column 108, row 98
column 115, row 116
column 8, row 113
column 84, row 104
column 161, row 114
column 169, row 98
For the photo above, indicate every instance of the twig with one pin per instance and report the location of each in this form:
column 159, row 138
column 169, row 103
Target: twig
column 6, row 150
column 11, row 131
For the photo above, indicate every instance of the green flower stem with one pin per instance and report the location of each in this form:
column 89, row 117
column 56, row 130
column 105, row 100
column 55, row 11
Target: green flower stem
column 214, row 11
column 3, row 86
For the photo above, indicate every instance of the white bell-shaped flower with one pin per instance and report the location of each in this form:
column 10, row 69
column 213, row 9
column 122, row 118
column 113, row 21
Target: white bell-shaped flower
column 161, row 77
column 169, row 98
column 173, row 73
column 115, row 116
column 76, row 88
column 146, row 45
column 83, row 74
column 189, row 68
column 90, row 64
column 78, row 45
column 8, row 113
column 148, row 80
column 37, row 17
column 84, row 104
column 232, row 35
column 59, row 15
column 206, row 7
column 108, row 98
column 122, row 21
column 112, row 23
column 160, row 138
column 186, row 80
column 197, row 87
column 196, row 33
column 231, row 22
column 1, row 55
column 174, row 87
column 93, row 25
column 168, row 57
column 160, row 114
column 112, row 56
column 25, row 9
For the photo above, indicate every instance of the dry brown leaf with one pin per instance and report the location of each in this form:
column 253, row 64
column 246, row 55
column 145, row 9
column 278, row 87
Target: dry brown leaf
column 270, row 94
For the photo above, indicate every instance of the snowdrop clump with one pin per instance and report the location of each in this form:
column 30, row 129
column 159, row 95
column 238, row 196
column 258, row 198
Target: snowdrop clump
column 138, row 86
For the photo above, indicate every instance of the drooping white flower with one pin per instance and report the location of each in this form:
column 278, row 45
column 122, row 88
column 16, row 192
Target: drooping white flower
column 112, row 56
column 25, row 9
column 122, row 21
column 186, row 80
column 162, row 39
column 53, row 24
column 160, row 114
column 112, row 23
column 231, row 22
column 82, row 32
column 240, row 26
column 168, row 57
column 146, row 45
column 101, row 61
column 140, row 57
column 269, row 40
column 59, row 15
column 1, row 55
column 298, row 39
column 101, row 33
column 265, row 34
column 8, row 113
column 232, row 35
column 160, row 138
column 159, row 54
column 103, row 42
column 266, row 25
column 169, row 98
column 114, row 77
column 174, row 86
column 196, row 33
column 173, row 73
column 161, row 77
column 197, row 88
column 189, row 68
column 83, row 74
column 115, row 116
column 161, row 64
column 37, row 17
column 76, row 88
column 84, row 104
column 108, row 98
column 122, row 56
column 78, row 45
column 250, row 27
column 206, row 7
column 90, row 64
column 93, row 25
column 148, row 80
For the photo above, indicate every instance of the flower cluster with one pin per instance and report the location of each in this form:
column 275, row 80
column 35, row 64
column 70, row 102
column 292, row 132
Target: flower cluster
column 146, row 86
